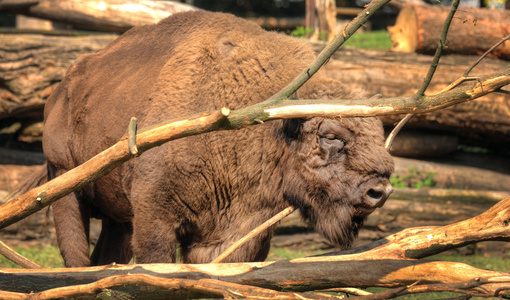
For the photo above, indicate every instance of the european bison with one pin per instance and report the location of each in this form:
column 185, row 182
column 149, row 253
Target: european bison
column 202, row 193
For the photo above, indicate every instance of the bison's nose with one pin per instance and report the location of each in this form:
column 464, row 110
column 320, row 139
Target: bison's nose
column 376, row 195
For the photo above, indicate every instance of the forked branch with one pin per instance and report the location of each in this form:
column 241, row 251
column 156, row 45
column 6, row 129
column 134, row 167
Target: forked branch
column 101, row 164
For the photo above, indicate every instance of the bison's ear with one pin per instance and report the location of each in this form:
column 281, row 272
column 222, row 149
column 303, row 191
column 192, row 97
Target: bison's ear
column 292, row 128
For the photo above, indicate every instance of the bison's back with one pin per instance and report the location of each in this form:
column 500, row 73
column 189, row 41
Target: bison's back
column 188, row 63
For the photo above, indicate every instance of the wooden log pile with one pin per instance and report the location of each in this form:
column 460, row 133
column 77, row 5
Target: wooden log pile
column 32, row 66
column 109, row 16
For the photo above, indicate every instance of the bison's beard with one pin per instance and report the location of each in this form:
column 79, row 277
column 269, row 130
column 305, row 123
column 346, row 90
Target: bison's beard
column 335, row 220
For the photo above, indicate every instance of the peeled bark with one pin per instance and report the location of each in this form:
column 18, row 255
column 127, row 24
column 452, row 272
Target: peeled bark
column 32, row 66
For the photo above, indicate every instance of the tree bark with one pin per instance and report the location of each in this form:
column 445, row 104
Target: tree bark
column 473, row 31
column 109, row 16
column 304, row 274
column 33, row 65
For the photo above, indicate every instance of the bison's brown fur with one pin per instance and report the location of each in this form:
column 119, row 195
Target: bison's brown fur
column 204, row 192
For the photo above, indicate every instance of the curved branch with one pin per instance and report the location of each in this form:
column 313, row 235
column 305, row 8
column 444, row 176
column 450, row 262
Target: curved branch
column 101, row 164
column 13, row 256
column 276, row 218
column 201, row 287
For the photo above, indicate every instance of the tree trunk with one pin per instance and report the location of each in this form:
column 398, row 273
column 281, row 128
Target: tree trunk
column 453, row 176
column 473, row 30
column 33, row 65
column 110, row 16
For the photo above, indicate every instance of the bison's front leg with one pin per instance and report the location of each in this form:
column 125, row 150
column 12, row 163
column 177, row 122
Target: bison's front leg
column 114, row 243
column 72, row 225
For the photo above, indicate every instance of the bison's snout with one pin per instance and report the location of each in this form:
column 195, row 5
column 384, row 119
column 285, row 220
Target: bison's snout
column 376, row 192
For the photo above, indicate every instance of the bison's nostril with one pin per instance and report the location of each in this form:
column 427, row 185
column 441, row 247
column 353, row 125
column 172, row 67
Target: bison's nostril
column 376, row 193
column 376, row 196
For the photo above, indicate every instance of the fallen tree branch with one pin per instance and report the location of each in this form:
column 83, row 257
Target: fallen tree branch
column 387, row 264
column 98, row 166
column 297, row 275
column 13, row 256
column 193, row 288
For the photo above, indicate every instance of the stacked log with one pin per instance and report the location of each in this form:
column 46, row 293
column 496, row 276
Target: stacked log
column 32, row 65
column 472, row 32
column 108, row 16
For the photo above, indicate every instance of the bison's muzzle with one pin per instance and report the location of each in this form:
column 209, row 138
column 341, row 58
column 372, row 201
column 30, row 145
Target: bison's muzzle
column 376, row 192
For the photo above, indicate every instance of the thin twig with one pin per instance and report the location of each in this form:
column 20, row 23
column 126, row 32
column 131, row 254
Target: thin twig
column 467, row 287
column 254, row 233
column 396, row 130
column 465, row 77
column 485, row 54
column 13, row 256
column 439, row 50
column 133, row 150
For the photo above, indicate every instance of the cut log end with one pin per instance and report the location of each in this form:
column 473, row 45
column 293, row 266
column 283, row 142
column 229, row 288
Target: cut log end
column 403, row 33
column 472, row 32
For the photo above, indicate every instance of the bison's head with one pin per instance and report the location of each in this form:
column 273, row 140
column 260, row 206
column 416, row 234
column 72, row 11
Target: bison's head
column 337, row 174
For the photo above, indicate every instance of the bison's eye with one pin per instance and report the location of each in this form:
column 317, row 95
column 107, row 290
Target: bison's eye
column 331, row 143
